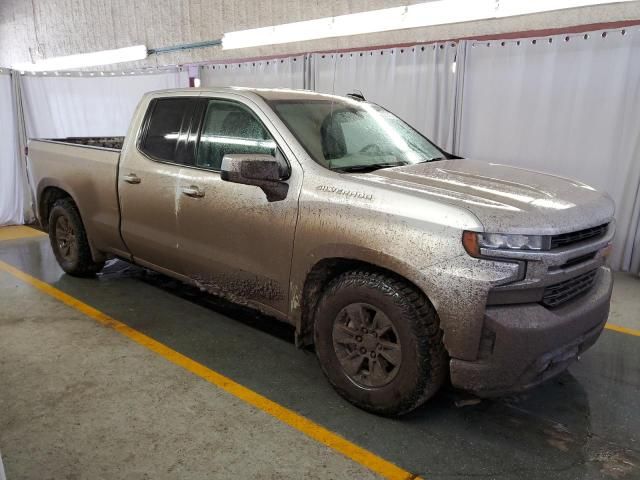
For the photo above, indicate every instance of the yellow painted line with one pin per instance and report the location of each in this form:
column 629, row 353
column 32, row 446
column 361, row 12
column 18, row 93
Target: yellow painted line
column 332, row 440
column 18, row 231
column 621, row 329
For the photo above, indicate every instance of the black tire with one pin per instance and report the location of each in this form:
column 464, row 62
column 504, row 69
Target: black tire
column 420, row 358
column 69, row 240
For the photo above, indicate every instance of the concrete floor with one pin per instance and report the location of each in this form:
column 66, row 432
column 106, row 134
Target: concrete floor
column 625, row 305
column 78, row 400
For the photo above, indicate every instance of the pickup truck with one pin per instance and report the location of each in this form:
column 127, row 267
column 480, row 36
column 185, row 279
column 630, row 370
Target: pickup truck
column 404, row 265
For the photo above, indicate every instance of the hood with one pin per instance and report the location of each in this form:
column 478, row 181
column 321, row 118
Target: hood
column 505, row 199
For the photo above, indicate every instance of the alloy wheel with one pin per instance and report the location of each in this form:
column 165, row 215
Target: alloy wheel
column 367, row 345
column 65, row 238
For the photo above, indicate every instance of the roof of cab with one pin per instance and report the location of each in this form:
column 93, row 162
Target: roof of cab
column 265, row 93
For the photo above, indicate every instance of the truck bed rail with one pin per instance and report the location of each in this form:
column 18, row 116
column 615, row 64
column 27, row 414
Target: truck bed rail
column 113, row 143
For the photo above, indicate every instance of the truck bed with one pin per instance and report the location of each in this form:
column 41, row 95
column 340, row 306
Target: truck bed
column 87, row 169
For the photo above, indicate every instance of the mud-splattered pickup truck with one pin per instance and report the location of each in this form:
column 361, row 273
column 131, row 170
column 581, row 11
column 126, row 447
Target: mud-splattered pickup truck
column 402, row 264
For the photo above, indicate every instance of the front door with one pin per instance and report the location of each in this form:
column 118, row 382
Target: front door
column 148, row 182
column 234, row 242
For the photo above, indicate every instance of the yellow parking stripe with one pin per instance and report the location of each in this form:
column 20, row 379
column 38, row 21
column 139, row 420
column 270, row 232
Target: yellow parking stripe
column 18, row 231
column 621, row 329
column 332, row 440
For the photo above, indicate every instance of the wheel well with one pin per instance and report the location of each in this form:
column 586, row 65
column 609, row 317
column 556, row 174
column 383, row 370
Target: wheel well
column 319, row 277
column 49, row 196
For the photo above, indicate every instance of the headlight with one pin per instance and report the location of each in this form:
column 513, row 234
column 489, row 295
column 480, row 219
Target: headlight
column 474, row 241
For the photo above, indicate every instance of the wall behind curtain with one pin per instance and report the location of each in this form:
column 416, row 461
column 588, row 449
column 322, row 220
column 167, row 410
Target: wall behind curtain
column 13, row 189
column 88, row 106
column 274, row 73
column 417, row 83
column 568, row 105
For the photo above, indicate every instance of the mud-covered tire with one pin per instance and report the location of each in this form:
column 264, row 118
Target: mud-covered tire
column 69, row 240
column 423, row 362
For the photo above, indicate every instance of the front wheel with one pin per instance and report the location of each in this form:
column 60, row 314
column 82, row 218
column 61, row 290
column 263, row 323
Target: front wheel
column 379, row 342
column 69, row 240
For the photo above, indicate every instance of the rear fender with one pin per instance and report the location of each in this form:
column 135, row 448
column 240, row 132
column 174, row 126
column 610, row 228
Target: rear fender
column 44, row 207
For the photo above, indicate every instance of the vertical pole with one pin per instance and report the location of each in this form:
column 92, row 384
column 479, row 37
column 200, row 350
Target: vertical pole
column 194, row 76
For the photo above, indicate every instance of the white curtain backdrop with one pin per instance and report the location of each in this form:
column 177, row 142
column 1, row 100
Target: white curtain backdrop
column 417, row 83
column 72, row 106
column 13, row 191
column 273, row 73
column 568, row 105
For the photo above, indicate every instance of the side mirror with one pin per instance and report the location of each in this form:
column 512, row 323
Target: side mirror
column 265, row 171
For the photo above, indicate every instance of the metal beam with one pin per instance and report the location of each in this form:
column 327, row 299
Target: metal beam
column 185, row 46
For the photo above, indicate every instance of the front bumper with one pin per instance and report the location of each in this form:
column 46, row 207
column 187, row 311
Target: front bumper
column 526, row 344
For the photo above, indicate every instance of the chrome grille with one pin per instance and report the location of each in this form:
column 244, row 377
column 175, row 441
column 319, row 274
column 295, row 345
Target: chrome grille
column 565, row 239
column 556, row 295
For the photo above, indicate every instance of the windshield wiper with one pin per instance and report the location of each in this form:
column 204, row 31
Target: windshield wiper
column 367, row 168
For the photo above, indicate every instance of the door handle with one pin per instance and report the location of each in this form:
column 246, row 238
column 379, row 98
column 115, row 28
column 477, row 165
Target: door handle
column 132, row 178
column 193, row 192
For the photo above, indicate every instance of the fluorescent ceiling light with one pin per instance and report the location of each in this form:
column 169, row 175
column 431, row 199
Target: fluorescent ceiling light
column 82, row 60
column 438, row 12
column 509, row 8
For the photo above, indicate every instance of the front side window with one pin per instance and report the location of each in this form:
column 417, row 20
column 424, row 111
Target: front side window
column 167, row 129
column 230, row 128
column 347, row 135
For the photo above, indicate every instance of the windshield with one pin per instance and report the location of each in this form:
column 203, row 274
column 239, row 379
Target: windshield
column 347, row 135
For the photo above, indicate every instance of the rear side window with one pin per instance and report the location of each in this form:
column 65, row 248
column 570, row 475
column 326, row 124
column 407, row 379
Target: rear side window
column 230, row 128
column 167, row 128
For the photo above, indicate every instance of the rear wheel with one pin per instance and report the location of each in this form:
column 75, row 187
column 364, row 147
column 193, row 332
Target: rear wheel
column 379, row 342
column 69, row 240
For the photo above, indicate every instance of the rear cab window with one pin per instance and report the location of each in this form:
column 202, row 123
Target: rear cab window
column 168, row 124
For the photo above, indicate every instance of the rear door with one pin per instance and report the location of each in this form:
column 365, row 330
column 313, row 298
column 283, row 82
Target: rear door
column 234, row 241
column 148, row 181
